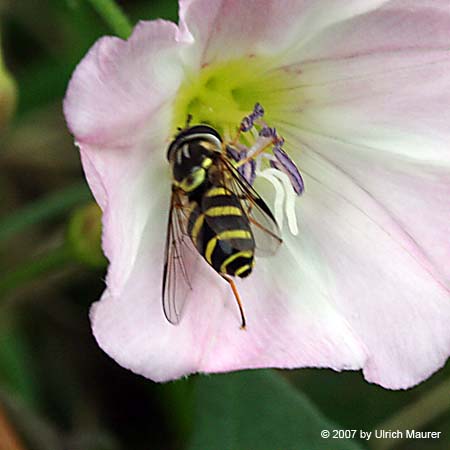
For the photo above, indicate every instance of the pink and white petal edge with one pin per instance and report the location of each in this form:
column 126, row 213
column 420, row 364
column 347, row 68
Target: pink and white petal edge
column 393, row 297
column 225, row 29
column 119, row 85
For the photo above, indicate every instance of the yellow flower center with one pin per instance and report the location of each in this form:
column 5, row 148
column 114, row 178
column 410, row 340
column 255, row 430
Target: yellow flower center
column 221, row 95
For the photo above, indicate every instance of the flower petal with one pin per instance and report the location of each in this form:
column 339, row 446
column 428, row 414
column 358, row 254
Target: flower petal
column 118, row 105
column 288, row 325
column 340, row 301
column 395, row 26
column 381, row 79
column 119, row 84
column 226, row 29
column 395, row 103
column 383, row 256
column 325, row 309
column 406, row 190
column 128, row 183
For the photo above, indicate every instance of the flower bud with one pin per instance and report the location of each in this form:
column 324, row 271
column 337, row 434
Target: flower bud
column 84, row 236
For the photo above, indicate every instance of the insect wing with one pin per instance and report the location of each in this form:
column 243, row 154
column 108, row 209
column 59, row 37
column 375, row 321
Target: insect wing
column 264, row 226
column 179, row 262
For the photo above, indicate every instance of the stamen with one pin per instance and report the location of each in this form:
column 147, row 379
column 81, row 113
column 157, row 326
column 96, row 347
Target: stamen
column 248, row 121
column 266, row 145
column 233, row 153
column 283, row 162
column 268, row 132
column 259, row 146
column 286, row 165
column 255, row 133
column 248, row 169
column 277, row 140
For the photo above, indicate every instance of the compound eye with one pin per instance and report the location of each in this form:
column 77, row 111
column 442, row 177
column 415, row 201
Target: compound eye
column 193, row 180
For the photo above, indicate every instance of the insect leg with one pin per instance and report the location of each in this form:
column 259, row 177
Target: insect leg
column 237, row 297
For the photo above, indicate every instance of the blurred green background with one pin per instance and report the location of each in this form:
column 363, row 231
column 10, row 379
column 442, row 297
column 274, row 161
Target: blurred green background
column 58, row 390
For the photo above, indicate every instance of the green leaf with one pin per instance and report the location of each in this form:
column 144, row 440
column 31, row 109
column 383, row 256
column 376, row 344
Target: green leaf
column 16, row 371
column 258, row 410
column 157, row 9
column 52, row 260
column 114, row 16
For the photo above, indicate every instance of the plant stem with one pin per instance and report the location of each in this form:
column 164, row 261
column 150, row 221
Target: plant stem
column 417, row 415
column 114, row 16
column 54, row 259
column 45, row 208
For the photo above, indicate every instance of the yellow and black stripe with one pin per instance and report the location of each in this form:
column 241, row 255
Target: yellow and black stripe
column 221, row 232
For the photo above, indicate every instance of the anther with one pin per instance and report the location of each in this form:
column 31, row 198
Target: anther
column 247, row 170
column 267, row 146
column 268, row 132
column 285, row 164
column 246, row 124
column 258, row 110
column 248, row 121
column 279, row 142
column 233, row 153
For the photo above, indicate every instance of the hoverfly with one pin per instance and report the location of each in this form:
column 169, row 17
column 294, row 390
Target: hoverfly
column 215, row 212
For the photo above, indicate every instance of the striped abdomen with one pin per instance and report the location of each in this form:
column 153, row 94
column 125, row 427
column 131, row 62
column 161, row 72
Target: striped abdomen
column 221, row 232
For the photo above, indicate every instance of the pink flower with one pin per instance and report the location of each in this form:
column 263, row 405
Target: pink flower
column 360, row 90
